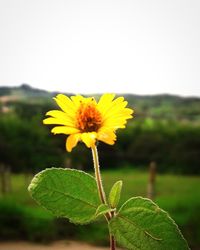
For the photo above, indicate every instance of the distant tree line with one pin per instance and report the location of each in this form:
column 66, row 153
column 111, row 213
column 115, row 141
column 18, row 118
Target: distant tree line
column 27, row 145
column 174, row 146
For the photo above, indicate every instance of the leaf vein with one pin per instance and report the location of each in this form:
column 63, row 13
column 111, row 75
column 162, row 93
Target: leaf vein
column 137, row 226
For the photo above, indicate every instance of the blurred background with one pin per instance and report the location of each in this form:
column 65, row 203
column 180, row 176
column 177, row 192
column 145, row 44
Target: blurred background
column 156, row 156
column 147, row 51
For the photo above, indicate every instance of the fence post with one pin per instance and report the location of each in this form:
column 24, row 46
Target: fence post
column 27, row 178
column 152, row 180
column 1, row 179
column 5, row 179
column 68, row 163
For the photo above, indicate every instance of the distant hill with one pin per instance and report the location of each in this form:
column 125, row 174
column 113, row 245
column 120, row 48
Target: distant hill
column 23, row 91
column 163, row 106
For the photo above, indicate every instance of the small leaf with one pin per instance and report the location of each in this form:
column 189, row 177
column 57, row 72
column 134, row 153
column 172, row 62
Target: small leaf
column 102, row 209
column 66, row 193
column 141, row 224
column 115, row 194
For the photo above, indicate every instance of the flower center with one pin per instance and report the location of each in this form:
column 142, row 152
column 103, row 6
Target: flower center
column 88, row 117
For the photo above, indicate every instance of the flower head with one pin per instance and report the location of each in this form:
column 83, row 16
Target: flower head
column 86, row 120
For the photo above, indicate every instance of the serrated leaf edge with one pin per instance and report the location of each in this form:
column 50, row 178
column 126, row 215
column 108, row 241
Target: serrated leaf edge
column 32, row 184
column 156, row 206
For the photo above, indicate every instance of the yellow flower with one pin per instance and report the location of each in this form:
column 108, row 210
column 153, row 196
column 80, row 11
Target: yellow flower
column 86, row 120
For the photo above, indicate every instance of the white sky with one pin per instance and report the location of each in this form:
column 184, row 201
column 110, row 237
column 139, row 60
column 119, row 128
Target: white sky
column 90, row 46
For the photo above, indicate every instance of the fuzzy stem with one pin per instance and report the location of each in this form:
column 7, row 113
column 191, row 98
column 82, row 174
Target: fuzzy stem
column 98, row 175
column 101, row 191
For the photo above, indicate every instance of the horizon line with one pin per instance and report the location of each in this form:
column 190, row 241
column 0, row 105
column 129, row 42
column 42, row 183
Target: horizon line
column 99, row 93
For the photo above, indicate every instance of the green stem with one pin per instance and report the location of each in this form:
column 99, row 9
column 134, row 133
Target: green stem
column 98, row 175
column 101, row 191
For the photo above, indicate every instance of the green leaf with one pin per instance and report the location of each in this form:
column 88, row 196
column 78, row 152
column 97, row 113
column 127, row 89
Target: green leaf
column 141, row 224
column 66, row 193
column 115, row 194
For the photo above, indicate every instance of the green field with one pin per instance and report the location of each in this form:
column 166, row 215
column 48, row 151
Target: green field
column 179, row 195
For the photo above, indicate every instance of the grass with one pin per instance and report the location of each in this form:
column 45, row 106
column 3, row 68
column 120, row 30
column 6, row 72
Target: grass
column 178, row 195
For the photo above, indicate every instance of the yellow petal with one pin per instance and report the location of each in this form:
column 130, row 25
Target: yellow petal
column 105, row 102
column 77, row 100
column 117, row 110
column 66, row 105
column 117, row 118
column 62, row 116
column 116, row 104
column 106, row 98
column 89, row 139
column 120, row 112
column 66, row 100
column 56, row 121
column 72, row 141
column 106, row 135
column 115, row 123
column 64, row 130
